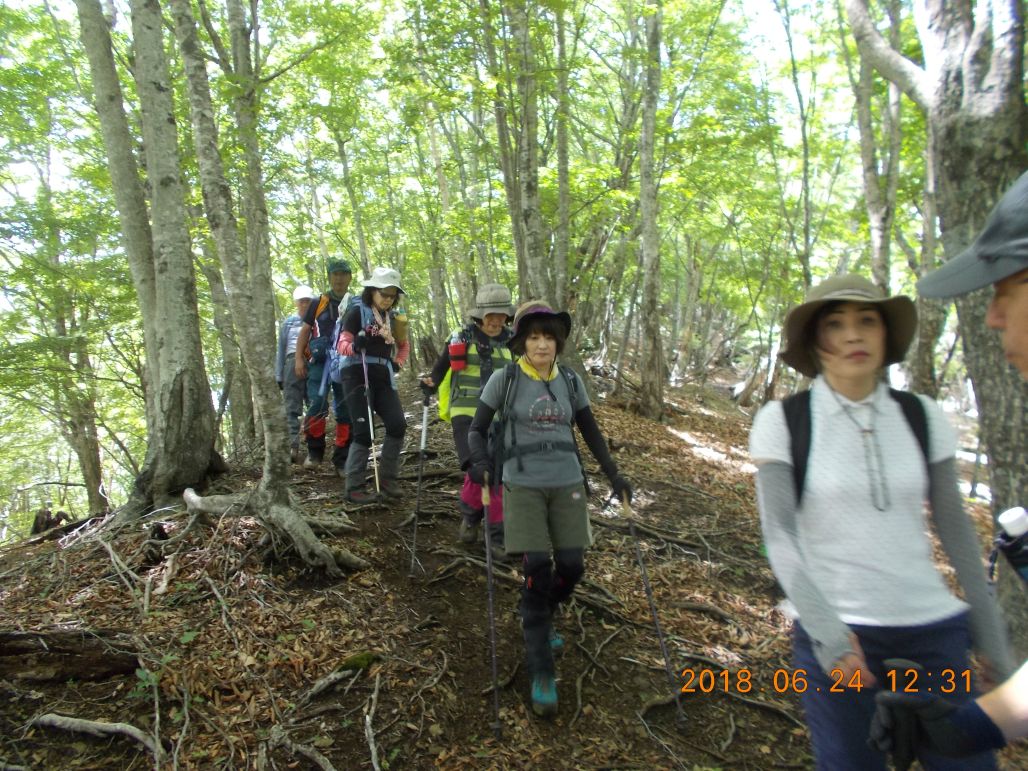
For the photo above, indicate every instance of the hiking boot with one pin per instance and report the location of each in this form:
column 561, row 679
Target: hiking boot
column 294, row 454
column 361, row 496
column 390, row 488
column 339, row 471
column 496, row 542
column 556, row 641
column 544, row 695
column 311, row 461
column 468, row 530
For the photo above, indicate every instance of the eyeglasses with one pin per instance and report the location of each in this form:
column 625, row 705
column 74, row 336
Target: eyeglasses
column 388, row 295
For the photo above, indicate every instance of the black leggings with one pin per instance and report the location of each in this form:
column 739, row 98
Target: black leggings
column 547, row 584
column 385, row 401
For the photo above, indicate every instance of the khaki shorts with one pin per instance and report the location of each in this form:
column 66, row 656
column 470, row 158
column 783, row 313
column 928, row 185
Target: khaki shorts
column 545, row 518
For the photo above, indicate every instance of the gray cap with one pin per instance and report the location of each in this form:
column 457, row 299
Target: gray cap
column 1000, row 251
column 492, row 298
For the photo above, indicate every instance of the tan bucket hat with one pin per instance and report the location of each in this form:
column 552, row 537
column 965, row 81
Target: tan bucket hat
column 899, row 312
column 492, row 298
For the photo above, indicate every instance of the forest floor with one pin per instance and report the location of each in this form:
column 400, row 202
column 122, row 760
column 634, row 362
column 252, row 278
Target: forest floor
column 241, row 660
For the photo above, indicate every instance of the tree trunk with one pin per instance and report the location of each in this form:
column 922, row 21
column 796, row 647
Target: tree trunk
column 563, row 231
column 128, row 189
column 651, row 368
column 240, row 395
column 183, row 450
column 535, row 271
column 503, row 139
column 271, row 502
column 972, row 90
column 355, row 207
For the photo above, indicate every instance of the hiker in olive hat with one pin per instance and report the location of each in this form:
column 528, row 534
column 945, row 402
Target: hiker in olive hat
column 313, row 343
column 544, row 493
column 843, row 473
column 468, row 359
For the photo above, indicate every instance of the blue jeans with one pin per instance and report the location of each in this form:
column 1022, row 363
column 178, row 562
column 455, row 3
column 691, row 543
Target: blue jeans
column 839, row 723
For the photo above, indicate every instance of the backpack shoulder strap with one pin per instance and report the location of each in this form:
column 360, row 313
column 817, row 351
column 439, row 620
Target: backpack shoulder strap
column 797, row 420
column 914, row 412
column 322, row 302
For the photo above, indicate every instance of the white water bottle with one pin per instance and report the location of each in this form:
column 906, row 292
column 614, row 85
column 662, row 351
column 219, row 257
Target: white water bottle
column 1013, row 539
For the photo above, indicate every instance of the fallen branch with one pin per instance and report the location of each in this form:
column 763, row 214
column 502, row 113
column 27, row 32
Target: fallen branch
column 98, row 728
column 369, row 731
column 278, row 737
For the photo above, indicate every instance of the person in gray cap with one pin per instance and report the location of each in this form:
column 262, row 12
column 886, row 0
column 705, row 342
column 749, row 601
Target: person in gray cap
column 999, row 256
column 465, row 365
column 907, row 722
column 312, row 346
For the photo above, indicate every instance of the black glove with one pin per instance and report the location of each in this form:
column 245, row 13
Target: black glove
column 478, row 470
column 426, row 389
column 621, row 487
column 396, row 366
column 907, row 723
column 360, row 343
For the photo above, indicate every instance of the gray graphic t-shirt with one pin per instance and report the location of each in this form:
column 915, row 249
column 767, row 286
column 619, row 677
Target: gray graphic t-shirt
column 535, row 416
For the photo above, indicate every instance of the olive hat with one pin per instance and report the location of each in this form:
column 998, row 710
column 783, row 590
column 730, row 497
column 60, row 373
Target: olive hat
column 899, row 313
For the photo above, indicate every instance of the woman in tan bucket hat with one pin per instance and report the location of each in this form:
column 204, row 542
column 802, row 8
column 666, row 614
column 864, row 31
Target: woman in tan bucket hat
column 466, row 363
column 844, row 471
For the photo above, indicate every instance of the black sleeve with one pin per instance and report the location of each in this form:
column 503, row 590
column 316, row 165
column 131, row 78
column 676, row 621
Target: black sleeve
column 312, row 312
column 352, row 321
column 478, row 432
column 441, row 365
column 594, row 440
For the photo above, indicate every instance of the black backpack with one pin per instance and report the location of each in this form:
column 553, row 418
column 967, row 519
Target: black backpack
column 797, row 419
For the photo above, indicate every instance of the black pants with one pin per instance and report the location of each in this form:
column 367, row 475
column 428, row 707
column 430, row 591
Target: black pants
column 547, row 584
column 385, row 402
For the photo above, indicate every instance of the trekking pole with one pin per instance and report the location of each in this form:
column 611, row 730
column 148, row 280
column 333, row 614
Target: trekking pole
column 371, row 419
column 421, row 469
column 626, row 511
column 497, row 729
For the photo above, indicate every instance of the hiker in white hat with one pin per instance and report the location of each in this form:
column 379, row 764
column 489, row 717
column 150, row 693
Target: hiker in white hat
column 844, row 470
column 293, row 387
column 466, row 363
column 373, row 352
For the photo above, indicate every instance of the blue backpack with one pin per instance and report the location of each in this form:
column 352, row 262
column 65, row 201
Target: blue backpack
column 333, row 365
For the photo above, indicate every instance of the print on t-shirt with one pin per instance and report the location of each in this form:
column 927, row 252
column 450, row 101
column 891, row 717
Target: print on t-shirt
column 546, row 414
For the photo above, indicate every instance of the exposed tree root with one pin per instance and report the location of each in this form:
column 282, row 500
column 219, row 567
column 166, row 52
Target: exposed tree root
column 97, row 728
column 284, row 520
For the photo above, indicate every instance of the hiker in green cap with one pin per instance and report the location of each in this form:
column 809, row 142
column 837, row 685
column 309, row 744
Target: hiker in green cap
column 313, row 343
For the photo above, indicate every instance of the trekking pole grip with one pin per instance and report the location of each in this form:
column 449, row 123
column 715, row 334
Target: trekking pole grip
column 485, row 489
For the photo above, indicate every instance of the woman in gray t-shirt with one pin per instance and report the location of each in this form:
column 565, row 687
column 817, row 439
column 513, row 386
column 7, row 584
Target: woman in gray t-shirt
column 544, row 496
